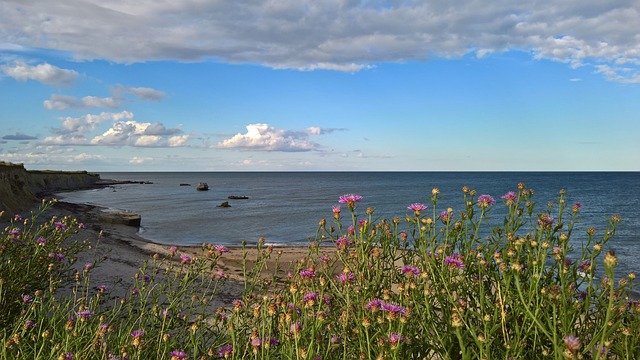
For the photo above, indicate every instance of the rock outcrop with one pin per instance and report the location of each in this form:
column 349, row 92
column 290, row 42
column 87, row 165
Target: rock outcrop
column 20, row 188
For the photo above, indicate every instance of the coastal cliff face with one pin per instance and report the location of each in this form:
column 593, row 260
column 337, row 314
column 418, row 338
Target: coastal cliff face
column 19, row 187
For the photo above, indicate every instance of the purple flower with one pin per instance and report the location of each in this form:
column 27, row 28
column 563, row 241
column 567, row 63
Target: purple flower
column 41, row 241
column 17, row 217
column 408, row 269
column 509, row 198
column 335, row 339
column 307, row 273
column 56, row 256
column 27, row 298
column 446, row 216
column 350, row 200
column 346, row 278
column 454, row 261
column 137, row 333
column 343, row 243
column 393, row 308
column 336, row 209
column 417, row 208
column 172, row 251
column 310, row 296
column 68, row 356
column 225, row 351
column 220, row 249
column 146, row 278
column 256, row 342
column 59, row 225
column 185, row 259
column 177, row 355
column 485, row 201
column 572, row 343
column 84, row 315
column 375, row 304
column 29, row 324
column 395, row 339
column 295, row 328
column 87, row 267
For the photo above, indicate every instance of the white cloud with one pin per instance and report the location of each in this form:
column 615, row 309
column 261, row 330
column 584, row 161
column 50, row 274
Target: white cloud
column 89, row 122
column 338, row 35
column 133, row 133
column 315, row 130
column 265, row 137
column 139, row 160
column 63, row 102
column 44, row 73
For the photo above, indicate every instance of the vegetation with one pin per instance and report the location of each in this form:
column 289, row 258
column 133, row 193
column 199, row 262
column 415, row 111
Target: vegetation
column 435, row 284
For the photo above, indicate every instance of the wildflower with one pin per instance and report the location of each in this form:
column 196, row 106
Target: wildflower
column 343, row 243
column 41, row 241
column 408, row 269
column 435, row 191
column 59, row 225
column 395, row 339
column 29, row 324
column 87, row 267
column 545, row 220
column 576, row 207
column 295, row 328
column 185, row 259
column 509, row 198
column 610, row 259
column 336, row 212
column 417, row 208
column 485, row 201
column 172, row 251
column 347, row 278
column 310, row 298
column 81, row 226
column 58, row 256
column 84, row 315
column 177, row 355
column 26, row 299
column 137, row 337
column 393, row 308
column 446, row 216
column 374, row 305
column 335, row 339
column 237, row 305
column 572, row 343
column 221, row 249
column 454, row 261
column 307, row 273
column 350, row 200
column 17, row 217
column 225, row 351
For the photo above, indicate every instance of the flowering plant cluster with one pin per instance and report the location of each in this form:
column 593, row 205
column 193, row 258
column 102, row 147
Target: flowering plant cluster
column 435, row 284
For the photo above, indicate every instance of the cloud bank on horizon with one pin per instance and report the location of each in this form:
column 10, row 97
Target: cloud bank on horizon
column 303, row 35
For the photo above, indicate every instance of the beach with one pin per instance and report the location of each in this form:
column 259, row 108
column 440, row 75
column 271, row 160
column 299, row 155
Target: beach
column 119, row 253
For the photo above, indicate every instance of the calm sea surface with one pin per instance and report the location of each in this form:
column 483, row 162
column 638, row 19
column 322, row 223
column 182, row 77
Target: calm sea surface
column 285, row 207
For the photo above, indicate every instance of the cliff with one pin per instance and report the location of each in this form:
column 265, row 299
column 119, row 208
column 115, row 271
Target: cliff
column 20, row 188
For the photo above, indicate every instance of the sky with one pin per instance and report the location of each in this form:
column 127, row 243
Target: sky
column 320, row 85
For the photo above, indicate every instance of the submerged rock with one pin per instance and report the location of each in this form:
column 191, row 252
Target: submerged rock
column 203, row 186
column 224, row 204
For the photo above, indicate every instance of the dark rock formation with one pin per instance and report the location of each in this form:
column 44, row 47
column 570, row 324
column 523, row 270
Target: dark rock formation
column 224, row 204
column 203, row 186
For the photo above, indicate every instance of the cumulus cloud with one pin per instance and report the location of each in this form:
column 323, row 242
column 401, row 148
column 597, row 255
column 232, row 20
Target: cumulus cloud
column 44, row 73
column 334, row 34
column 268, row 138
column 88, row 122
column 133, row 133
column 19, row 136
column 315, row 130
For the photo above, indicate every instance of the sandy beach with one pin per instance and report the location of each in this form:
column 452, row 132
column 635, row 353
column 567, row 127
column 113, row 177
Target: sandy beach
column 120, row 252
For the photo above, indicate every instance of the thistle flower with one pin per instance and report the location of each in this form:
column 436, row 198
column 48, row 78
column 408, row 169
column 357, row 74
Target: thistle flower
column 572, row 343
column 220, row 249
column 185, row 259
column 172, row 251
column 343, row 243
column 178, row 355
column 408, row 269
column 454, row 261
column 417, row 208
column 41, row 241
column 29, row 324
column 446, row 216
column 59, row 225
column 395, row 339
column 374, row 305
column 350, row 200
column 137, row 337
column 225, row 351
column 26, row 299
column 509, row 198
column 346, row 278
column 485, row 201
column 84, row 315
column 307, row 274
column 295, row 328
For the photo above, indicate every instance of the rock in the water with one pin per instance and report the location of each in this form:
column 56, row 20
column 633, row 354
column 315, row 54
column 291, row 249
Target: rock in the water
column 120, row 217
column 224, row 204
column 236, row 197
column 203, row 186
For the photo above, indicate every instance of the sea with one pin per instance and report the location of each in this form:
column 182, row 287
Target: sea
column 286, row 207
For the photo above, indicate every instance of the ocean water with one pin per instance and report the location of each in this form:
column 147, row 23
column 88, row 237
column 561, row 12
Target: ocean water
column 285, row 207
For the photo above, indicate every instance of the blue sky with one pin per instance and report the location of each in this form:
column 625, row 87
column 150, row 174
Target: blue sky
column 320, row 85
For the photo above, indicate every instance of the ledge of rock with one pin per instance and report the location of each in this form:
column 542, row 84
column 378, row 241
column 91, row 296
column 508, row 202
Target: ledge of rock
column 120, row 217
